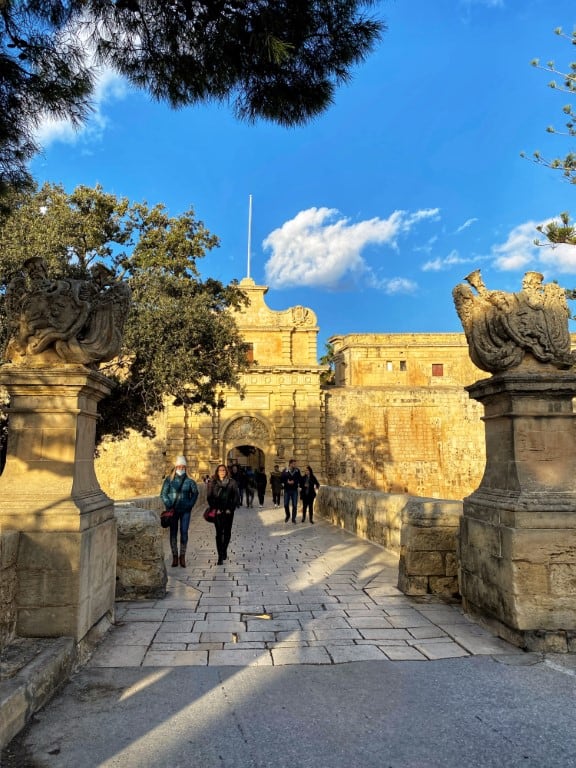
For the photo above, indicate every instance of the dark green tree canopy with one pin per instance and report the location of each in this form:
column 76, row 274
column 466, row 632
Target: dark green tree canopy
column 280, row 60
column 180, row 339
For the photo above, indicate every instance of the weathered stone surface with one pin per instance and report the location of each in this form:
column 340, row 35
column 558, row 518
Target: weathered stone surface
column 443, row 585
column 141, row 570
column 8, row 560
column 413, row 585
column 420, row 563
column 518, row 532
column 67, row 557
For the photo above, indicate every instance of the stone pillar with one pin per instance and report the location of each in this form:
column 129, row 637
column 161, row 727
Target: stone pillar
column 518, row 530
column 49, row 492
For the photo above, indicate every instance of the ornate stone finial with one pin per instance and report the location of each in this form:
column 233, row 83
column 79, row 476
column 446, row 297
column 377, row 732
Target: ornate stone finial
column 64, row 320
column 502, row 327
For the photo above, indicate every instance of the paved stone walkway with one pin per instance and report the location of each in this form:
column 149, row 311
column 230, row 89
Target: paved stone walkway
column 288, row 594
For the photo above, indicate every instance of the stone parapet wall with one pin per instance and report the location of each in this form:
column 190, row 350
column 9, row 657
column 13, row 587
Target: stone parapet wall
column 371, row 515
column 423, row 532
column 428, row 547
column 140, row 567
column 8, row 558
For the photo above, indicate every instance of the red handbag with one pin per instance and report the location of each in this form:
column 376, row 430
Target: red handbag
column 210, row 515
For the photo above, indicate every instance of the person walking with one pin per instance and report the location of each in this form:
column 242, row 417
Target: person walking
column 179, row 492
column 249, row 485
column 237, row 474
column 291, row 479
column 261, row 483
column 276, row 485
column 308, row 487
column 223, row 496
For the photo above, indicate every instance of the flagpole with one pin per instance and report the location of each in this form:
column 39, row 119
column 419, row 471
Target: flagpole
column 249, row 232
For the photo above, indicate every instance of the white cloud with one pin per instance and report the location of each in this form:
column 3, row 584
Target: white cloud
column 393, row 285
column 560, row 258
column 108, row 86
column 453, row 258
column 467, row 223
column 520, row 252
column 320, row 247
column 519, row 249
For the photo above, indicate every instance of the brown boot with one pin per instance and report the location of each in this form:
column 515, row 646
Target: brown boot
column 183, row 561
column 174, row 561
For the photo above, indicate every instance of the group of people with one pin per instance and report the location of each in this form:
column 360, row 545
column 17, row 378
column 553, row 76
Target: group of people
column 225, row 491
column 295, row 484
column 251, row 482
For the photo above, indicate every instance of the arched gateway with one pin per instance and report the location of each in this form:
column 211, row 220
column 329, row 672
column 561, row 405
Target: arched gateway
column 248, row 441
column 281, row 412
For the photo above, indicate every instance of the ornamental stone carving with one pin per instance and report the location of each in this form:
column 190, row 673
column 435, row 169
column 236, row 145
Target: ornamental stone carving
column 301, row 316
column 502, row 328
column 66, row 320
column 247, row 428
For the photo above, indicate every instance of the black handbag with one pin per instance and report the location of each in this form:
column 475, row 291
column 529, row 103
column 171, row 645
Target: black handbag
column 166, row 517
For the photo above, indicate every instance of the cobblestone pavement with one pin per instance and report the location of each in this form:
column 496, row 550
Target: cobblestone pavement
column 288, row 594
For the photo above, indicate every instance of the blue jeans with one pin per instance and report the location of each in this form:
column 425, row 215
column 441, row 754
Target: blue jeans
column 182, row 521
column 291, row 494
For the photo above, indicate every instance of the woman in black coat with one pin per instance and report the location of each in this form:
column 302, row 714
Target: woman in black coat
column 224, row 497
column 308, row 487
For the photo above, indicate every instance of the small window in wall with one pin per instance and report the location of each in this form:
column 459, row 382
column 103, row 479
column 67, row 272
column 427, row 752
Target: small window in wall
column 249, row 353
column 389, row 366
column 437, row 369
column 402, row 365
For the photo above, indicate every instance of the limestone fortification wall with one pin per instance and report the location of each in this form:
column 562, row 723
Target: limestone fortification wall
column 420, row 441
column 133, row 467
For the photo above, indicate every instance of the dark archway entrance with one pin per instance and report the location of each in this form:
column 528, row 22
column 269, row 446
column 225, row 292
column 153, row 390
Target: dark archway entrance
column 246, row 456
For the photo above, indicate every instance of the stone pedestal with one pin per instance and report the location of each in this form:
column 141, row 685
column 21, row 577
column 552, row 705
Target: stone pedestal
column 49, row 492
column 518, row 530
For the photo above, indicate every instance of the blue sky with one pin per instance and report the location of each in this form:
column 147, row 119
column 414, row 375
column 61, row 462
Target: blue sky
column 372, row 213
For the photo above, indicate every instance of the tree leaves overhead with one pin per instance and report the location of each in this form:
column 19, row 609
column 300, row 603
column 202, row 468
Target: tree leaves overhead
column 180, row 339
column 566, row 85
column 279, row 60
column 560, row 231
column 42, row 72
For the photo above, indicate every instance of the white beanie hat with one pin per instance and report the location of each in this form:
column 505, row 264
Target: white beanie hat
column 181, row 460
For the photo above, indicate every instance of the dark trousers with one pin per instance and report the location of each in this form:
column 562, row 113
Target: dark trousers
column 307, row 506
column 276, row 496
column 261, row 494
column 223, row 525
column 182, row 522
column 291, row 494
